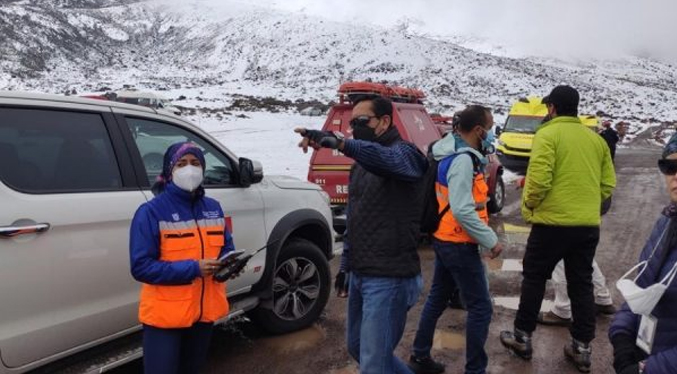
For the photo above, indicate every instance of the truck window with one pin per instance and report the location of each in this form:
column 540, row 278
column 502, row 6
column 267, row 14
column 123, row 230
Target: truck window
column 522, row 124
column 154, row 137
column 47, row 151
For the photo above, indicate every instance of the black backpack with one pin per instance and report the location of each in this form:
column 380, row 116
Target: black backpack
column 431, row 215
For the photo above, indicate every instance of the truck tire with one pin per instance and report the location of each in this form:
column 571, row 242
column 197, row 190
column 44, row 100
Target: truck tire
column 497, row 198
column 301, row 286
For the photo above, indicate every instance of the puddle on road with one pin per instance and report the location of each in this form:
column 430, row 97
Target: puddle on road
column 448, row 340
column 296, row 341
column 504, row 264
column 513, row 303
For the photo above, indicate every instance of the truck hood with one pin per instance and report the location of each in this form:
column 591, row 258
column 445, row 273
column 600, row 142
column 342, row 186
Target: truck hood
column 291, row 183
column 516, row 140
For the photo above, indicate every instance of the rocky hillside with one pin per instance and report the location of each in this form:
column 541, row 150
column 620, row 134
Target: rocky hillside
column 213, row 53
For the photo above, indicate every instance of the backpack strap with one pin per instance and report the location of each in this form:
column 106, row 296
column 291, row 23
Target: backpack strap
column 476, row 167
column 476, row 164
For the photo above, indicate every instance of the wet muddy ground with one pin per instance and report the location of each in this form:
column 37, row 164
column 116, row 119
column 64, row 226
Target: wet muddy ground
column 241, row 347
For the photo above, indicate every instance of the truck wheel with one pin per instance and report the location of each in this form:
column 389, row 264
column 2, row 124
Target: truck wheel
column 301, row 283
column 497, row 198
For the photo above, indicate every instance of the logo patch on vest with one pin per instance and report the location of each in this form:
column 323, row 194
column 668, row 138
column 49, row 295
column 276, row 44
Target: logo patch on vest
column 211, row 214
column 175, row 216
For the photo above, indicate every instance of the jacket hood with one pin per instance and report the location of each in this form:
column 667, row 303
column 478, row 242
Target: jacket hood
column 451, row 144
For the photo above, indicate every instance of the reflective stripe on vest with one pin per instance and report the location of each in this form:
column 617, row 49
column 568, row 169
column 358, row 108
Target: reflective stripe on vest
column 450, row 230
column 176, row 306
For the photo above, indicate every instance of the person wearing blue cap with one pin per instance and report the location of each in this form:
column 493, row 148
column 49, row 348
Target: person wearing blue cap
column 175, row 240
column 644, row 330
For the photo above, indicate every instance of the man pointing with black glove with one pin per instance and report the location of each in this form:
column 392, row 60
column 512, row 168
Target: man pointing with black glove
column 383, row 213
column 320, row 139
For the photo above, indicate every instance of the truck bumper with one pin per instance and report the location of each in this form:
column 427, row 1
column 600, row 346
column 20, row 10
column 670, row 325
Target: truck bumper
column 516, row 164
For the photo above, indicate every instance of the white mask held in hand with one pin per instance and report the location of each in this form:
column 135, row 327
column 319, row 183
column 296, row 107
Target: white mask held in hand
column 643, row 300
column 188, row 178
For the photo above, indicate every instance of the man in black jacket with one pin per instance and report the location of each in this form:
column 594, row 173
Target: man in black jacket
column 610, row 136
column 384, row 209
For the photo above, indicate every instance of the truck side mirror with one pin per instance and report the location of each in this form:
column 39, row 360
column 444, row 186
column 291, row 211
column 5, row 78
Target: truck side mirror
column 250, row 172
column 498, row 130
column 246, row 172
column 258, row 172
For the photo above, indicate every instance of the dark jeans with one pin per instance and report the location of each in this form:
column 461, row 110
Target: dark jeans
column 175, row 351
column 546, row 246
column 458, row 265
column 377, row 314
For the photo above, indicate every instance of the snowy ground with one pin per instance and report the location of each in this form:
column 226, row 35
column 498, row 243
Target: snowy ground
column 270, row 139
column 265, row 137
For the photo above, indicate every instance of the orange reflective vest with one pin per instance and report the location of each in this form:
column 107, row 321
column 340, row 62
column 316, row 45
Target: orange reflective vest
column 203, row 300
column 449, row 229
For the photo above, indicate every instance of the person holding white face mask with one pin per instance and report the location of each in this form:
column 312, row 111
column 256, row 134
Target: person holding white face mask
column 644, row 330
column 175, row 241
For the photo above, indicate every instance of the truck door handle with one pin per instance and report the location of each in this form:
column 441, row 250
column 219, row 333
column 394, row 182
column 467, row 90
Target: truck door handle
column 12, row 231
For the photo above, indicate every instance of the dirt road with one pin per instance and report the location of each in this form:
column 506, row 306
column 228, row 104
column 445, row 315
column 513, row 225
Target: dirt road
column 242, row 348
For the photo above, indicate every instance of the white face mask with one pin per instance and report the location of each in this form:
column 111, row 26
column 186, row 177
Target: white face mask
column 188, row 178
column 643, row 300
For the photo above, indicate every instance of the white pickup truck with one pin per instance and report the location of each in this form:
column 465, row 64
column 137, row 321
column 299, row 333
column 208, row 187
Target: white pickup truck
column 72, row 173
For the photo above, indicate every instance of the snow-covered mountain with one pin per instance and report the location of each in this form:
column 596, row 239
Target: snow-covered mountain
column 213, row 52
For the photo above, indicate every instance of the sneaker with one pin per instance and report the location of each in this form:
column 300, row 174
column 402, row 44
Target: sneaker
column 579, row 353
column 518, row 342
column 551, row 319
column 605, row 309
column 425, row 365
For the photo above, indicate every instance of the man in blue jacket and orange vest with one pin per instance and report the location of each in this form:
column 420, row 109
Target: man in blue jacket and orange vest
column 461, row 238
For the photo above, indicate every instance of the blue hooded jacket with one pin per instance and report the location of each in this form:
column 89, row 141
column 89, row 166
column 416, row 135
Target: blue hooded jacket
column 172, row 206
column 663, row 358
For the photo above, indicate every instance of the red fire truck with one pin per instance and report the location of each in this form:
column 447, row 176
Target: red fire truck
column 330, row 168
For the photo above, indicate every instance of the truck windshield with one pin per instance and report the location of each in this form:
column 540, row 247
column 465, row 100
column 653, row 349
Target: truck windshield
column 522, row 124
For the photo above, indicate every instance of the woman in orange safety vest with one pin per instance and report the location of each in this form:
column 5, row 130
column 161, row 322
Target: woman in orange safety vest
column 175, row 241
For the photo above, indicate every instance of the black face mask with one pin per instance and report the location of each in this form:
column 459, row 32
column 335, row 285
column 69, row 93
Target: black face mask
column 361, row 129
column 547, row 118
column 364, row 133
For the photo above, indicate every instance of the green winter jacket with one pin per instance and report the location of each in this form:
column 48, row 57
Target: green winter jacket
column 570, row 173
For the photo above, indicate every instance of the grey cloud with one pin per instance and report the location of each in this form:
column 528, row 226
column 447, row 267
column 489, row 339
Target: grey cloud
column 599, row 28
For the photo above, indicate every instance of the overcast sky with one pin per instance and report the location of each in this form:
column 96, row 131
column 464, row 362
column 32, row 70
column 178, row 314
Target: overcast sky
column 589, row 27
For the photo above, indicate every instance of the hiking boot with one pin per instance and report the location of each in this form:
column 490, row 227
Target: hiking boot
column 425, row 365
column 552, row 319
column 605, row 309
column 518, row 342
column 579, row 353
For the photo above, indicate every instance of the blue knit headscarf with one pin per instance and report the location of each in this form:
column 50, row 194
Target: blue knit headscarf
column 670, row 148
column 172, row 156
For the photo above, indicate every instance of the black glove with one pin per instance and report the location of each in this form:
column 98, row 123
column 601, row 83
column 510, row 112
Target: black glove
column 326, row 139
column 341, row 284
column 624, row 353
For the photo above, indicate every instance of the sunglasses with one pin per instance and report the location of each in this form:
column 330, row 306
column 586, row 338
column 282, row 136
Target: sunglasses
column 668, row 167
column 361, row 121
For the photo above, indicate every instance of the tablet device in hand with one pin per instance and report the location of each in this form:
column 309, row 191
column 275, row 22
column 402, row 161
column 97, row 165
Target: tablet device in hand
column 230, row 256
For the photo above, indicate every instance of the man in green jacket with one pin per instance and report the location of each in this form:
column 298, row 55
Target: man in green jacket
column 570, row 172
